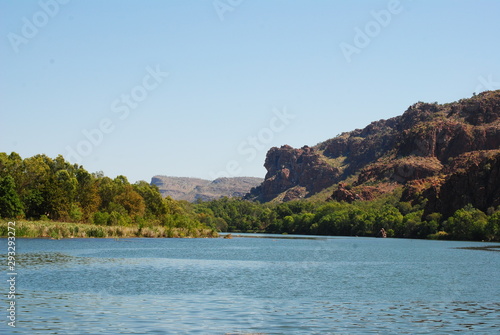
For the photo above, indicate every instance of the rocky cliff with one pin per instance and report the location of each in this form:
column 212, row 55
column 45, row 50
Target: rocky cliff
column 177, row 187
column 192, row 189
column 294, row 173
column 476, row 181
column 428, row 141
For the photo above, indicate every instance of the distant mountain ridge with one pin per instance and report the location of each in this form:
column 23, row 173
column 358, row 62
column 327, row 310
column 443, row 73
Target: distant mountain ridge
column 193, row 189
column 429, row 145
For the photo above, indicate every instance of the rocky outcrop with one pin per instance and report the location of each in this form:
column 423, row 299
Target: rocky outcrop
column 177, row 187
column 426, row 141
column 362, row 146
column 288, row 168
column 481, row 109
column 350, row 194
column 342, row 193
column 401, row 170
column 445, row 139
column 193, row 189
column 297, row 192
column 224, row 187
column 424, row 130
column 477, row 183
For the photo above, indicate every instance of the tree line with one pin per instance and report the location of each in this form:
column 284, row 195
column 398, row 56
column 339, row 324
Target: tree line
column 360, row 218
column 41, row 188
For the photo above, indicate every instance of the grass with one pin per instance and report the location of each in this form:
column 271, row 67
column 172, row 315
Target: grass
column 58, row 230
column 338, row 163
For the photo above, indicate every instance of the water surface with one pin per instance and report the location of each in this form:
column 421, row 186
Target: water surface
column 255, row 285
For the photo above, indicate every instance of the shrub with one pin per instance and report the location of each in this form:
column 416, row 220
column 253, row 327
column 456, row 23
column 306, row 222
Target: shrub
column 96, row 232
column 440, row 235
column 467, row 223
column 75, row 213
column 492, row 229
column 118, row 219
column 101, row 218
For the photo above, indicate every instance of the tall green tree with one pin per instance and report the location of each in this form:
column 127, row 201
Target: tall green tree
column 467, row 223
column 87, row 194
column 10, row 204
column 35, row 183
column 492, row 229
column 155, row 205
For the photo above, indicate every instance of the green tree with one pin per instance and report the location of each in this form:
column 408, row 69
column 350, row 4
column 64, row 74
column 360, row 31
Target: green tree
column 10, row 204
column 467, row 223
column 36, row 184
column 155, row 205
column 62, row 193
column 13, row 165
column 389, row 217
column 362, row 222
column 107, row 191
column 131, row 201
column 288, row 223
column 87, row 194
column 492, row 228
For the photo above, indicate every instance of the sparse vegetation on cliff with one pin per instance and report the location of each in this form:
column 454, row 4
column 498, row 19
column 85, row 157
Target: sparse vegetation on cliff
column 433, row 172
column 429, row 144
column 439, row 165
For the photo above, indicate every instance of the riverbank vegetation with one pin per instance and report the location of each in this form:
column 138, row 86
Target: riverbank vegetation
column 53, row 198
column 361, row 218
column 58, row 230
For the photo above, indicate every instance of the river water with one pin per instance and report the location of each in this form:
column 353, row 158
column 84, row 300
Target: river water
column 246, row 285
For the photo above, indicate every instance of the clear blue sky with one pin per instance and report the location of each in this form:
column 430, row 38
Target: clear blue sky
column 70, row 67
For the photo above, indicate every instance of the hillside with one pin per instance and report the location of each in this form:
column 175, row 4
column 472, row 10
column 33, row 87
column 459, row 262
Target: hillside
column 425, row 146
column 192, row 189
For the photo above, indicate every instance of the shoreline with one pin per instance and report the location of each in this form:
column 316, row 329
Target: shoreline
column 69, row 230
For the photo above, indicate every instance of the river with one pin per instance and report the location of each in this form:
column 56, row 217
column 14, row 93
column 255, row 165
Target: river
column 244, row 285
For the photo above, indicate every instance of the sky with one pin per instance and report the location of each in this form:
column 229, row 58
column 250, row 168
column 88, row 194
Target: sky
column 205, row 88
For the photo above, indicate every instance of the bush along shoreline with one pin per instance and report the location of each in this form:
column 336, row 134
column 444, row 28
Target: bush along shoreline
column 360, row 218
column 62, row 230
column 52, row 198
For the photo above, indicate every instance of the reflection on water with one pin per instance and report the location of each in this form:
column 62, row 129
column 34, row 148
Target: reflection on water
column 45, row 259
column 275, row 236
column 86, row 313
column 255, row 285
column 484, row 247
column 48, row 260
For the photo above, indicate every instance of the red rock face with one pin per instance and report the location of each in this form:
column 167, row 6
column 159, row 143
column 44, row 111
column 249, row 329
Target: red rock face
column 362, row 146
column 288, row 167
column 427, row 141
column 343, row 194
column 448, row 139
column 401, row 170
column 483, row 109
column 476, row 183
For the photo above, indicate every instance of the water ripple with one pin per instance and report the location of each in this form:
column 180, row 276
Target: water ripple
column 83, row 313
